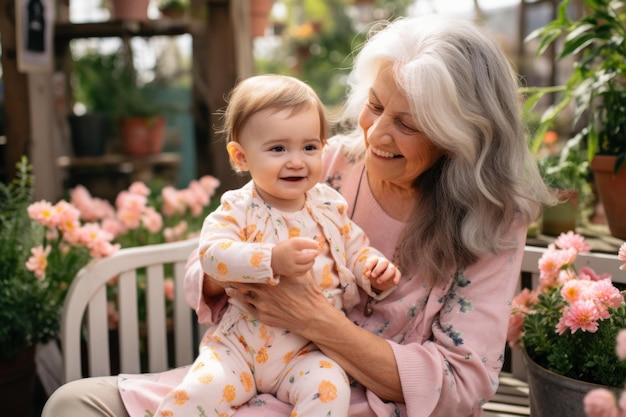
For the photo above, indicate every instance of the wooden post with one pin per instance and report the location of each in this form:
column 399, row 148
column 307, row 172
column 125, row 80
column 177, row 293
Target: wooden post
column 216, row 71
column 17, row 106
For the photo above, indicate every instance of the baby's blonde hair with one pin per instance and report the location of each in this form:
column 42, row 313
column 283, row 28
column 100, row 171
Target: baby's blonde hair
column 270, row 91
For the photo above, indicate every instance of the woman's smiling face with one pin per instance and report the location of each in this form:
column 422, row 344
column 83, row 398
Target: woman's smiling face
column 397, row 151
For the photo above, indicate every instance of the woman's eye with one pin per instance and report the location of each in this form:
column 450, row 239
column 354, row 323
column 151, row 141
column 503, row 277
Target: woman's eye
column 406, row 127
column 375, row 108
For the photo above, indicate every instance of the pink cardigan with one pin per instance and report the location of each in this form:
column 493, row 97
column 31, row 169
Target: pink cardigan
column 450, row 340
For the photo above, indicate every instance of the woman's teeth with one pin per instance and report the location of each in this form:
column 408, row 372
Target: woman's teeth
column 382, row 154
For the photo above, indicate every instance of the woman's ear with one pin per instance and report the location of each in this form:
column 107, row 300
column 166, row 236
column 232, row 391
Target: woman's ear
column 237, row 156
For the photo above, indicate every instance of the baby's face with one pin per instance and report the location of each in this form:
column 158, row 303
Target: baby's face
column 283, row 153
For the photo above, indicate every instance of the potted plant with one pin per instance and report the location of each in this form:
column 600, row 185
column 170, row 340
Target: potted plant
column 566, row 172
column 36, row 265
column 173, row 9
column 109, row 82
column 26, row 316
column 567, row 328
column 597, row 89
column 90, row 122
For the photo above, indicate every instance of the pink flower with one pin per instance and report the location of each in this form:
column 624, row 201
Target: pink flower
column 172, row 203
column 129, row 218
column 620, row 348
column 172, row 234
column 571, row 240
column 600, row 402
column 210, row 184
column 38, row 262
column 583, row 315
column 91, row 209
column 139, row 188
column 588, row 273
column 552, row 262
column 575, row 290
column 131, row 202
column 168, row 289
column 113, row 226
column 67, row 216
column 516, row 328
column 43, row 213
column 200, row 195
column 621, row 255
column 606, row 293
column 151, row 220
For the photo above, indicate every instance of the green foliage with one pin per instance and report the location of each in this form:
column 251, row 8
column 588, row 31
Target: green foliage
column 30, row 307
column 108, row 83
column 567, row 170
column 583, row 356
column 596, row 86
column 323, row 59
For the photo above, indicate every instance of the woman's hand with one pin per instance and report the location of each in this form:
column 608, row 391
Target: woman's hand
column 298, row 305
column 289, row 305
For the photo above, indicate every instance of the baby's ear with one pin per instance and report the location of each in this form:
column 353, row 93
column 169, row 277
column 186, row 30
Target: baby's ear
column 237, row 156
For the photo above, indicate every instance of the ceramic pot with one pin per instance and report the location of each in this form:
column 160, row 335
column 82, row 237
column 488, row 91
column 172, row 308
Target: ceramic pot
column 561, row 218
column 259, row 16
column 612, row 193
column 142, row 135
column 554, row 395
column 89, row 133
column 129, row 9
column 17, row 383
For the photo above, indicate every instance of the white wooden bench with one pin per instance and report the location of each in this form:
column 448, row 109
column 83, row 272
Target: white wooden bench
column 87, row 296
column 87, row 299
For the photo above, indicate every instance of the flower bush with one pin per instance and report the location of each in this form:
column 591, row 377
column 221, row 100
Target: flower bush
column 87, row 227
column 569, row 323
column 30, row 304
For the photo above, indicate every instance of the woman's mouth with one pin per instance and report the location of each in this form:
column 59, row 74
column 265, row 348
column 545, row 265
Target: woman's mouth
column 384, row 154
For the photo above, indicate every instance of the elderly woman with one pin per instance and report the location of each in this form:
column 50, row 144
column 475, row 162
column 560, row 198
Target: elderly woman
column 436, row 170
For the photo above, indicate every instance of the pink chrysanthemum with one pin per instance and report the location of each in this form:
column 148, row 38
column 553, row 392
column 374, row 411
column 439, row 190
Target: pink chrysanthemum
column 38, row 262
column 583, row 315
column 571, row 240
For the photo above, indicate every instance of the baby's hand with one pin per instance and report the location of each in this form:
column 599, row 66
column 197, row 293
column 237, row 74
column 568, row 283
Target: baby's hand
column 294, row 257
column 382, row 273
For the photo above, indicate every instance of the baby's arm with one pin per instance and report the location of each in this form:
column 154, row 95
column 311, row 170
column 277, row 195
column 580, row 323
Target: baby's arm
column 382, row 274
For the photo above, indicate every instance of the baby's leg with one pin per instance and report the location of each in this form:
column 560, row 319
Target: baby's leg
column 316, row 386
column 217, row 383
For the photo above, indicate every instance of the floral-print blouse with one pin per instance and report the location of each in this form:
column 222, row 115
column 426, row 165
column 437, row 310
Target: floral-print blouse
column 449, row 340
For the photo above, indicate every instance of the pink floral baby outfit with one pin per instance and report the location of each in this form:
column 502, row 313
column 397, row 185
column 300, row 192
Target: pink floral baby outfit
column 242, row 356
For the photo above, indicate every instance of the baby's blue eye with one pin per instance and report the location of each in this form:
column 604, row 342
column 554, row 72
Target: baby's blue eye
column 277, row 149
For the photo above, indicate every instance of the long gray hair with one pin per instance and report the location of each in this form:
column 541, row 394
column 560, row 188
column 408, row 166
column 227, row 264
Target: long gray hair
column 465, row 98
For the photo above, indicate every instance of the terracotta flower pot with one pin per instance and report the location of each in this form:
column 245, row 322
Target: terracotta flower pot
column 129, row 9
column 612, row 193
column 259, row 16
column 142, row 135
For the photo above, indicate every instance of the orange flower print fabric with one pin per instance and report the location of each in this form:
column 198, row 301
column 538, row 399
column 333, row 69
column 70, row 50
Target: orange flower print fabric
column 242, row 356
